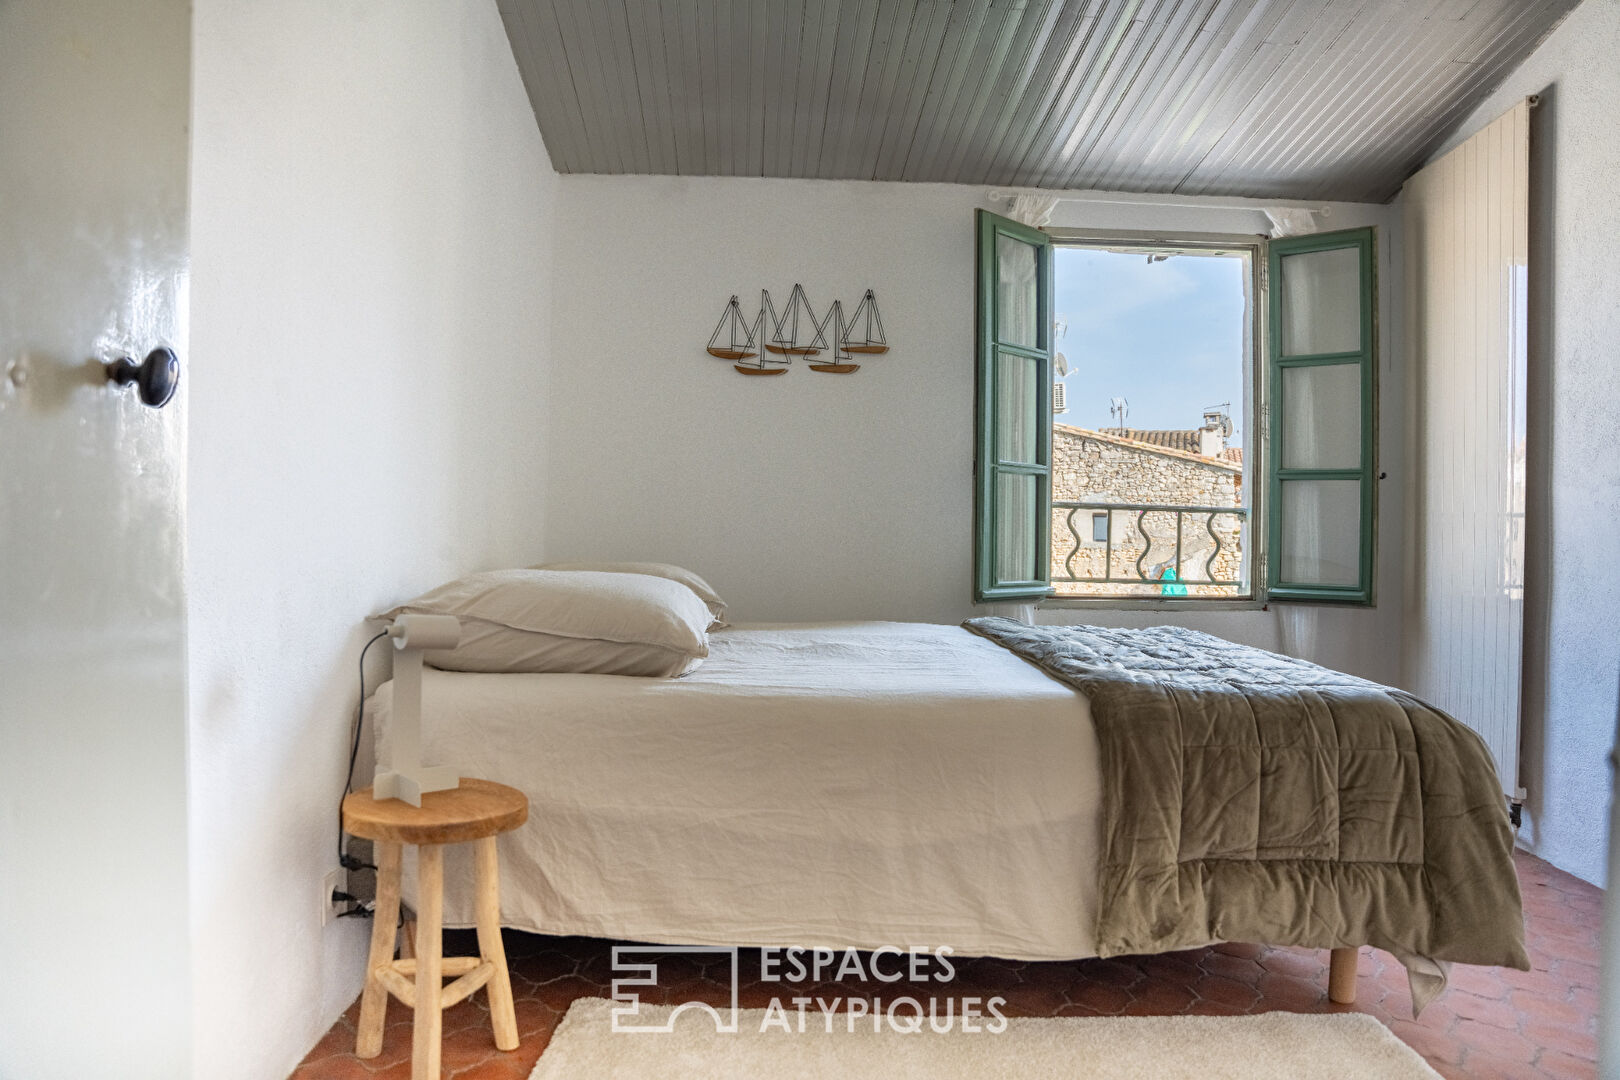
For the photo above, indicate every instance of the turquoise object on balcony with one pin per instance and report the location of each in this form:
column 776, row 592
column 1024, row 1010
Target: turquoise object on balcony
column 1174, row 588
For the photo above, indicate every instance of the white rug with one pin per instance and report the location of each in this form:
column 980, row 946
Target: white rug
column 1285, row 1046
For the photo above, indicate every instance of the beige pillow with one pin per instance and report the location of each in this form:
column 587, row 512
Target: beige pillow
column 551, row 620
column 705, row 591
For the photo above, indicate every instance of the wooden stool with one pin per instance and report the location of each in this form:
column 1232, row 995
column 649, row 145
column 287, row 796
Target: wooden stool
column 477, row 811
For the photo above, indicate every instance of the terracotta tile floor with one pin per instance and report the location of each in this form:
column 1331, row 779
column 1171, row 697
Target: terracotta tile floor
column 1490, row 1023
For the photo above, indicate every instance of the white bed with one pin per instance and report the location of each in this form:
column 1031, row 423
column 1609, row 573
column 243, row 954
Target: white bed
column 841, row 784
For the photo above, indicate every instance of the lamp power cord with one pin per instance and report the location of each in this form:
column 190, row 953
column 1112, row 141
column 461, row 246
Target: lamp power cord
column 345, row 860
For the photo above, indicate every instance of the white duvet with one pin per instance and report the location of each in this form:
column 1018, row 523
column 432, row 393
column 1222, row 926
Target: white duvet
column 850, row 784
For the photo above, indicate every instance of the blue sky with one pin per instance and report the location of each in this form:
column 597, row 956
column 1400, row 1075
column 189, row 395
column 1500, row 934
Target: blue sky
column 1166, row 336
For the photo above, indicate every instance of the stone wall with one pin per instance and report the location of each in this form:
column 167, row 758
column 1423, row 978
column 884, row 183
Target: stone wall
column 1091, row 467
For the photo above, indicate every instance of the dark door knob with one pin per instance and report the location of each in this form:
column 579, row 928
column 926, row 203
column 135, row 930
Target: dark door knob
column 155, row 378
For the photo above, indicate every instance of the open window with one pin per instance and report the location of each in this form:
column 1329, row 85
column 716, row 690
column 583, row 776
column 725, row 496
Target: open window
column 1013, row 463
column 1323, row 417
column 1152, row 464
column 1264, row 491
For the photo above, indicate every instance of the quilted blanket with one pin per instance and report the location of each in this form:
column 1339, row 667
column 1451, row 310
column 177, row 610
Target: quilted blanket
column 1250, row 796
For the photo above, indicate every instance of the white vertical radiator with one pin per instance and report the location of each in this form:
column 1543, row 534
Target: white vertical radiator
column 1466, row 237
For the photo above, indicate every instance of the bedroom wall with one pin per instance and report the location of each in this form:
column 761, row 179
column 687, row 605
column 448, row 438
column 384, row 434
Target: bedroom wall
column 371, row 226
column 1572, row 652
column 810, row 496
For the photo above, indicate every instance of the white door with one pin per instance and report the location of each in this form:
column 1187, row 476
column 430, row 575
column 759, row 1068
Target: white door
column 94, row 103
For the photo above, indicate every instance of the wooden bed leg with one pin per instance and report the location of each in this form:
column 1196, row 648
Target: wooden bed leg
column 1342, row 976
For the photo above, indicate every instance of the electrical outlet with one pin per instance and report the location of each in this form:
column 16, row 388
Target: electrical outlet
column 332, row 882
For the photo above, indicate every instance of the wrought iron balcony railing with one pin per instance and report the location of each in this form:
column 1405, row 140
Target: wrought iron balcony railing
column 1145, row 572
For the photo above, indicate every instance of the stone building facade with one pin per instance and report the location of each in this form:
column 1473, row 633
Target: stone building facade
column 1107, row 467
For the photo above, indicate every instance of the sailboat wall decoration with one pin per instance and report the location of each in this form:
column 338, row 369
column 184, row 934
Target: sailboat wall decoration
column 867, row 320
column 725, row 342
column 840, row 363
column 767, row 344
column 797, row 318
column 762, row 361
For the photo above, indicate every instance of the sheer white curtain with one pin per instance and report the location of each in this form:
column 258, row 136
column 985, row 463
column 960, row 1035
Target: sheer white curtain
column 1035, row 210
column 1018, row 279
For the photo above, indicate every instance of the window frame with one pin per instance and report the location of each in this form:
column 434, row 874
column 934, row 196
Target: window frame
column 1255, row 412
column 987, row 464
column 1362, row 594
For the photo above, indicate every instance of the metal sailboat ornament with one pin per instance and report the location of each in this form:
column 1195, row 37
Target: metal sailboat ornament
column 733, row 338
column 798, row 319
column 760, row 361
column 866, row 320
column 840, row 363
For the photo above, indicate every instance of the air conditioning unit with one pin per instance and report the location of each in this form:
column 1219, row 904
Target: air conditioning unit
column 1058, row 403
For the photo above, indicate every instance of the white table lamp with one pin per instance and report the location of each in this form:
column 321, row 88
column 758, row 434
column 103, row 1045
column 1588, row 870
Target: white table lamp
column 404, row 776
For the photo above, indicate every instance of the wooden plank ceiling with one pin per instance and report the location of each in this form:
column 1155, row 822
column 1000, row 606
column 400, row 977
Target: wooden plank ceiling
column 1310, row 99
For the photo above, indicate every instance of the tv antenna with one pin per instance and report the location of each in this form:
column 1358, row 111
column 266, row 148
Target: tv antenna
column 1118, row 408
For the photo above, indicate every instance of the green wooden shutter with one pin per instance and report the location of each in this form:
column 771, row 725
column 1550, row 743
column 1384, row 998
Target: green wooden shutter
column 1323, row 410
column 1013, row 456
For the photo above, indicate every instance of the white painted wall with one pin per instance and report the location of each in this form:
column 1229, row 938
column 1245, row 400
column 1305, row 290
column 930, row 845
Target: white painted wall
column 93, row 923
column 1572, row 649
column 811, row 496
column 370, row 327
column 803, row 496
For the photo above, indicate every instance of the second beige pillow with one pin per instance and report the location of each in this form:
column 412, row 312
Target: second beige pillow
column 568, row 621
column 705, row 591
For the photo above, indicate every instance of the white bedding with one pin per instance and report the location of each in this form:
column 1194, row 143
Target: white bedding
column 848, row 784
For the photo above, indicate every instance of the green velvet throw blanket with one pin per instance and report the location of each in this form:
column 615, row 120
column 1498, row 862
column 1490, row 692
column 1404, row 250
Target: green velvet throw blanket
column 1249, row 796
